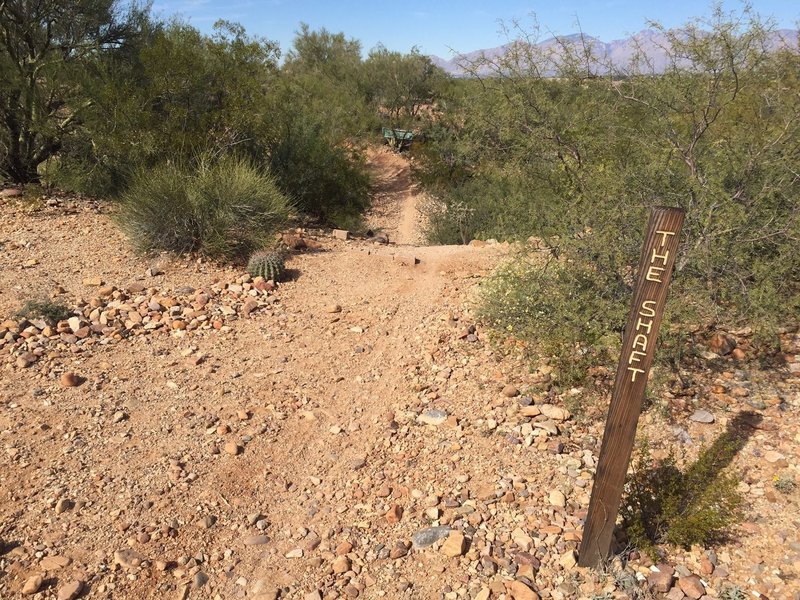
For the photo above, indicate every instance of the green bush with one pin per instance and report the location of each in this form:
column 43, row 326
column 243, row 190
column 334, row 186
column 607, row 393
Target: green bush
column 664, row 504
column 586, row 155
column 224, row 209
column 51, row 311
column 566, row 311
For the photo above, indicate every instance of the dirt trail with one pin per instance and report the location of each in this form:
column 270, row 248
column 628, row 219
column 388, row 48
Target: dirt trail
column 284, row 453
column 396, row 202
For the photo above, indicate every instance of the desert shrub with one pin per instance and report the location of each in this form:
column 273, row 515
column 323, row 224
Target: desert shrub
column 566, row 311
column 224, row 208
column 51, row 311
column 586, row 155
column 664, row 504
column 324, row 180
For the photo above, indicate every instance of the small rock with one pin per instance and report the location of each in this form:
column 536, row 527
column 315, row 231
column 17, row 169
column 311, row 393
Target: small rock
column 568, row 560
column 128, row 559
column 341, row 564
column 200, row 579
column 520, row 591
column 63, row 505
column 70, row 379
column 661, row 580
column 433, row 417
column 333, row 308
column 554, row 412
column 70, row 591
column 692, row 586
column 232, row 448
column 557, row 498
column 429, row 536
column 702, row 416
column 341, row 234
column 722, row 343
column 256, row 540
column 93, row 282
column 10, row 193
column 394, row 514
column 54, row 563
column 32, row 585
column 510, row 391
column 454, row 545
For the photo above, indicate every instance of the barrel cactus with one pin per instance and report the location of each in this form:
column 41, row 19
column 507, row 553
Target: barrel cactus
column 269, row 264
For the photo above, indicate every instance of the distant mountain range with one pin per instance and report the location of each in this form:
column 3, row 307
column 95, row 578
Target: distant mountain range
column 617, row 55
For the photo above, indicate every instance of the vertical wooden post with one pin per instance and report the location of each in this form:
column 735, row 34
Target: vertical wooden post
column 638, row 345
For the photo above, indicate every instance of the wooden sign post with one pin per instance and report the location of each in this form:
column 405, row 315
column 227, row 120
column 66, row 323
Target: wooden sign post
column 638, row 345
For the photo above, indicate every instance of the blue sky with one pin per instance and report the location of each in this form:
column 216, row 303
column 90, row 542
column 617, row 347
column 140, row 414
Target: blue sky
column 439, row 28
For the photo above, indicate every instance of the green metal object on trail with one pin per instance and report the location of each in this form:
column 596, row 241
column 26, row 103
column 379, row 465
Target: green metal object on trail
column 399, row 139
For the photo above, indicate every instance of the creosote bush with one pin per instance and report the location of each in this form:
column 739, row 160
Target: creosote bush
column 664, row 504
column 223, row 208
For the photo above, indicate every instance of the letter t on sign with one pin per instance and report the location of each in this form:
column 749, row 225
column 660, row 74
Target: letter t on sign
column 638, row 346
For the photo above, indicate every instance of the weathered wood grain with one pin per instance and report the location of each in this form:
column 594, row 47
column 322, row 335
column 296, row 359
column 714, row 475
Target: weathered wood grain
column 638, row 346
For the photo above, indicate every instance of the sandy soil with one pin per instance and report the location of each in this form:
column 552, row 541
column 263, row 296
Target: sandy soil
column 292, row 451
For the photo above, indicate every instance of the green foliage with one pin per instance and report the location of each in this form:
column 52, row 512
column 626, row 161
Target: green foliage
column 223, row 208
column 733, row 592
column 51, row 311
column 586, row 155
column 49, row 53
column 400, row 86
column 784, row 484
column 269, row 264
column 664, row 504
column 565, row 310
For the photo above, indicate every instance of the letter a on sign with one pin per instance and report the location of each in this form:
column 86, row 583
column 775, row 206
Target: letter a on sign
column 638, row 346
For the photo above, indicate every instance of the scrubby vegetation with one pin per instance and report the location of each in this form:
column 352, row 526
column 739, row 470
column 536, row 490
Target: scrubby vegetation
column 224, row 208
column 556, row 145
column 694, row 505
column 51, row 311
column 94, row 94
column 575, row 152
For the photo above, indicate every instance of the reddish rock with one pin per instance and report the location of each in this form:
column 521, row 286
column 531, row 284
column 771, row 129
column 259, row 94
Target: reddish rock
column 70, row 379
column 722, row 343
column 661, row 580
column 692, row 586
column 394, row 514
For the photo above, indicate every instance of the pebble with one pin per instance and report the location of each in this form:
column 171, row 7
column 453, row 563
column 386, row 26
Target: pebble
column 429, row 536
column 702, row 416
column 394, row 514
column 341, row 564
column 509, row 391
column 128, row 559
column 232, row 448
column 692, row 586
column 70, row 379
column 70, row 591
column 454, row 545
column 557, row 498
column 520, row 591
column 433, row 417
column 256, row 540
column 32, row 585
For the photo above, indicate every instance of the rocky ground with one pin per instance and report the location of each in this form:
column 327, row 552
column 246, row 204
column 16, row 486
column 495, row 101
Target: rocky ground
column 190, row 433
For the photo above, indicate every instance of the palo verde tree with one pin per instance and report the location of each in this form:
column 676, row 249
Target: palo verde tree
column 47, row 49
